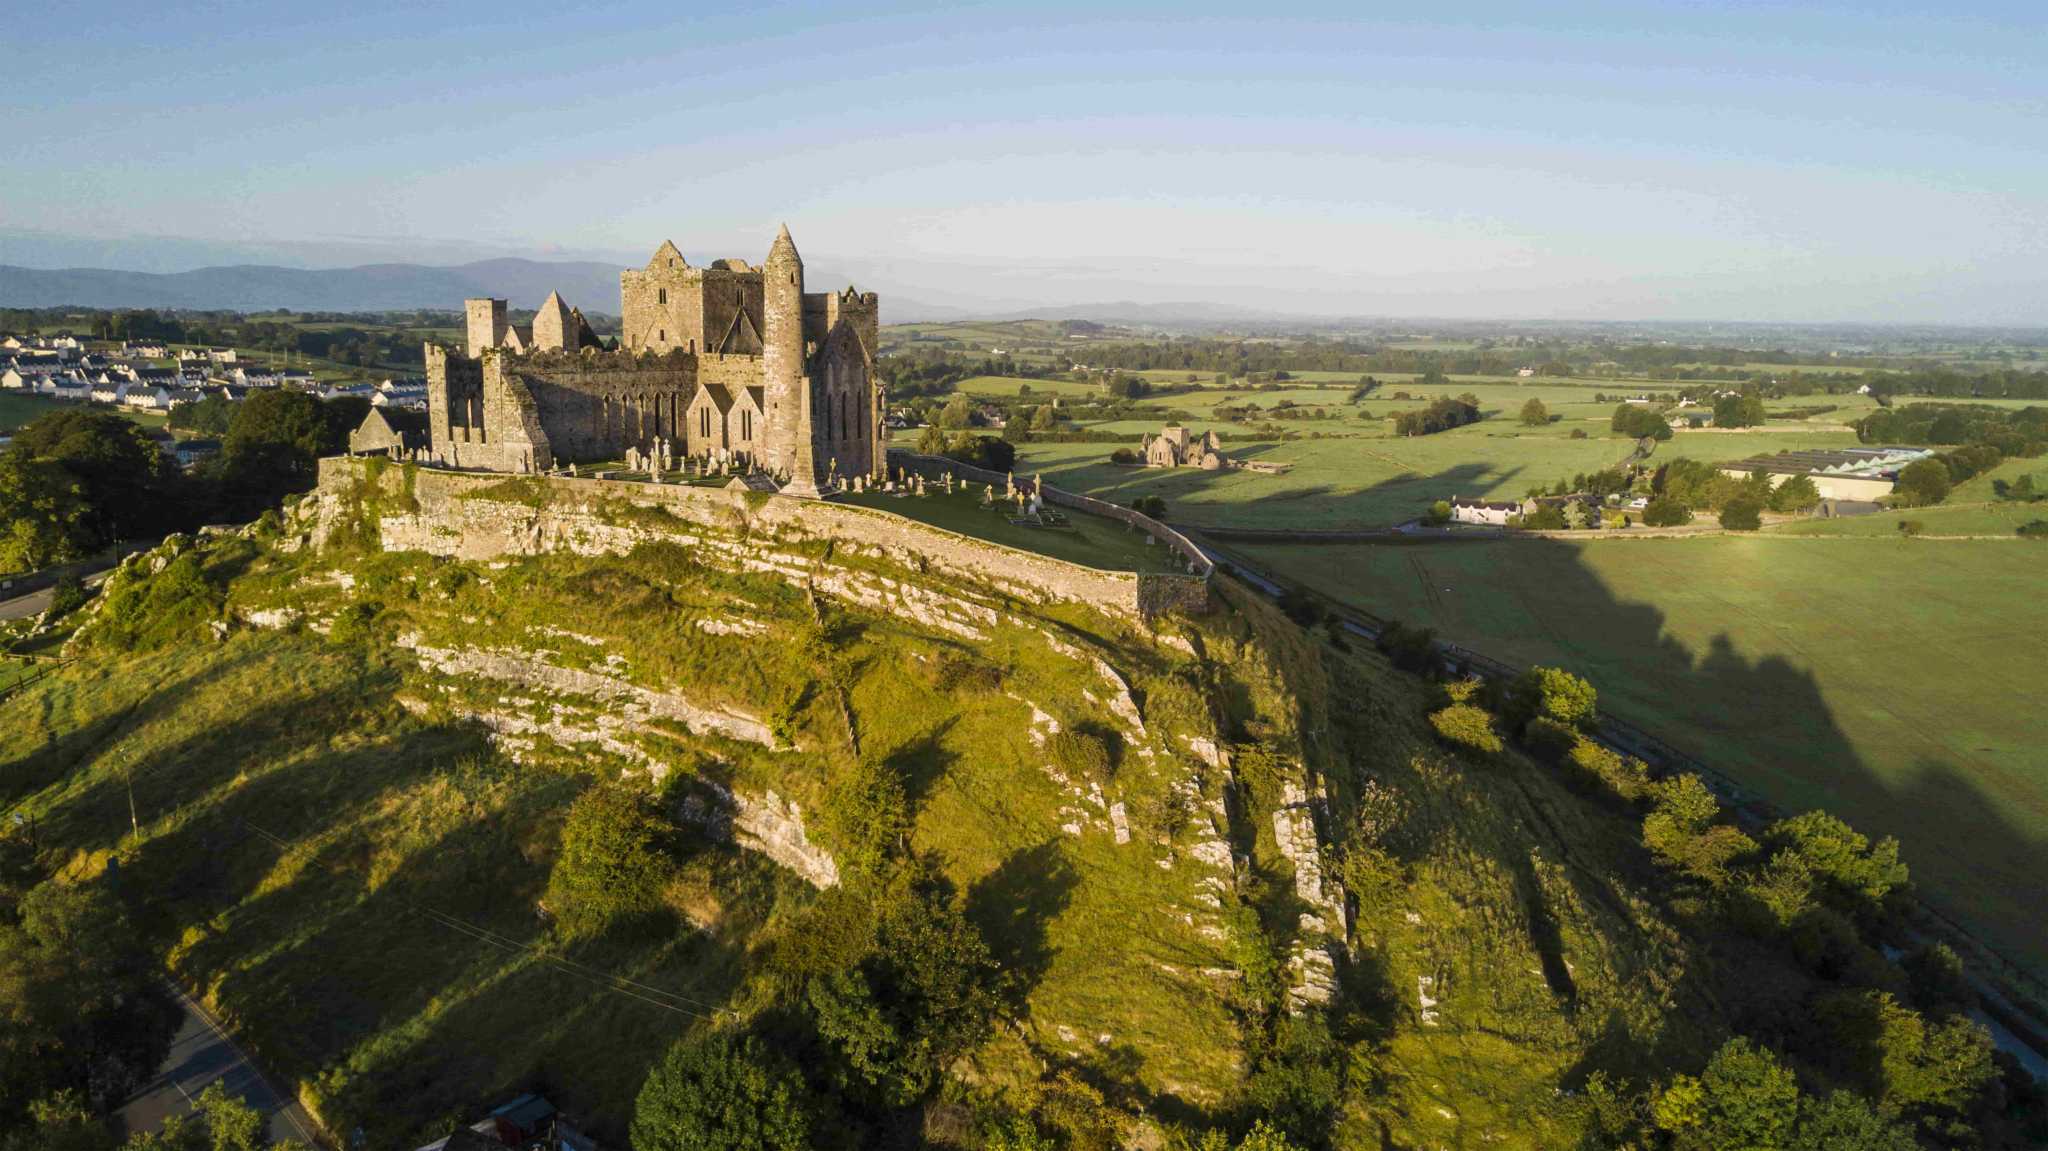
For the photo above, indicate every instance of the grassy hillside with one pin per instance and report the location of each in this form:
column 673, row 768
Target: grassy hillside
column 1882, row 679
column 349, row 771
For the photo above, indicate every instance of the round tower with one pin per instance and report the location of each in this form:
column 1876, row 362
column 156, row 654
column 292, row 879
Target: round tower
column 782, row 351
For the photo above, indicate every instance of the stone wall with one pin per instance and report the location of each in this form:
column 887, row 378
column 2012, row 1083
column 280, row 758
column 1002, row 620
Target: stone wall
column 458, row 515
column 1197, row 563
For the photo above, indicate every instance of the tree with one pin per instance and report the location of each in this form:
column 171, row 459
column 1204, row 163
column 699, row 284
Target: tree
column 1665, row 512
column 1534, row 414
column 1742, row 516
column 1439, row 513
column 210, row 416
column 1921, row 483
column 120, row 482
column 1045, row 418
column 1797, row 494
column 613, row 862
column 274, row 445
column 931, row 441
column 867, row 814
column 921, row 998
column 1554, row 693
column 1854, row 873
column 722, row 1092
column 43, row 515
column 957, row 413
column 1745, row 1100
column 1682, row 833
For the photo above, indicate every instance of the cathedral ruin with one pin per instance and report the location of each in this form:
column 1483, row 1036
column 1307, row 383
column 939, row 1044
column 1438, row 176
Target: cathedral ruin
column 732, row 365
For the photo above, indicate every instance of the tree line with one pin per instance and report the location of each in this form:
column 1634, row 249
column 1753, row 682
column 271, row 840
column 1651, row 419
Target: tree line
column 78, row 480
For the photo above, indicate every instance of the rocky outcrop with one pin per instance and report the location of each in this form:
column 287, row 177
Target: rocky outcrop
column 768, row 824
column 639, row 704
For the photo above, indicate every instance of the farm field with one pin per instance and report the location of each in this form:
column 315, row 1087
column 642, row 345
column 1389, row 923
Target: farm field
column 16, row 410
column 1886, row 680
column 1990, row 518
column 1358, row 481
column 1014, row 385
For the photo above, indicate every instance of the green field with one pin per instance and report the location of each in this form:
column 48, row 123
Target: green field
column 1893, row 682
column 1091, row 541
column 1015, row 385
column 17, row 409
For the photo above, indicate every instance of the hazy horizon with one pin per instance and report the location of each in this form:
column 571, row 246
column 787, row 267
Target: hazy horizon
column 1703, row 163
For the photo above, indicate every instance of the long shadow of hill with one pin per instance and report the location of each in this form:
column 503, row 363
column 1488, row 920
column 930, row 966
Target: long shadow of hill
column 1763, row 720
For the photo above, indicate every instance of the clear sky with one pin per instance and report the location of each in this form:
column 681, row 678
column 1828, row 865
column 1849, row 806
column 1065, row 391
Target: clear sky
column 1681, row 161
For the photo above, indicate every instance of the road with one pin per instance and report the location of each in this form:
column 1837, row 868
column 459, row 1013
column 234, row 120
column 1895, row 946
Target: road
column 36, row 602
column 200, row 1054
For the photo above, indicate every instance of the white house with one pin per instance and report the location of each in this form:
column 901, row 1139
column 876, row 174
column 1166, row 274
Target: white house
column 1493, row 514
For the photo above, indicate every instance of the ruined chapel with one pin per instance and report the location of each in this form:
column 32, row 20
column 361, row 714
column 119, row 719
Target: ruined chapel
column 730, row 363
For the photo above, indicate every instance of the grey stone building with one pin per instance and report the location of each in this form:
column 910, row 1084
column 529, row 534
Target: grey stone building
column 727, row 362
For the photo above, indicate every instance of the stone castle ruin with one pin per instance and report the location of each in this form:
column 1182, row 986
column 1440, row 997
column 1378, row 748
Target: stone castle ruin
column 730, row 365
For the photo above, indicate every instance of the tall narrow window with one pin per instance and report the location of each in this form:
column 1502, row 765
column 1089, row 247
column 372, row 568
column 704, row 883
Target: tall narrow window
column 661, row 296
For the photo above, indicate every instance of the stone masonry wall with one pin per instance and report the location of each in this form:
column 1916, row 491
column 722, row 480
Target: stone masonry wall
column 581, row 515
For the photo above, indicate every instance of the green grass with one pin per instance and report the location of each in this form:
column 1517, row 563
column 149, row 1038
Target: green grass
column 1015, row 385
column 1891, row 682
column 1090, row 541
column 1359, row 481
column 17, row 409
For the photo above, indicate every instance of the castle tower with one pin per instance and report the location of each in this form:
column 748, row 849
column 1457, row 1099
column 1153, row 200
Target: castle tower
column 803, row 472
column 486, row 324
column 782, row 353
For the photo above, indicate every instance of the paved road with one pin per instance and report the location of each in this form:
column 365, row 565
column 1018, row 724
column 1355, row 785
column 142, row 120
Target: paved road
column 201, row 1054
column 38, row 601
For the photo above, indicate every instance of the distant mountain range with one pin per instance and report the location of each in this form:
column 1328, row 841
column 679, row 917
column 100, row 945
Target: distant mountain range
column 261, row 287
column 592, row 286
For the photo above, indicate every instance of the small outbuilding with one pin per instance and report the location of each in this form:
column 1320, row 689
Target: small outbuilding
column 389, row 431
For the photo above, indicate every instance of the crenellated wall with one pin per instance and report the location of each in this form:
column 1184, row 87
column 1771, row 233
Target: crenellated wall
column 480, row 517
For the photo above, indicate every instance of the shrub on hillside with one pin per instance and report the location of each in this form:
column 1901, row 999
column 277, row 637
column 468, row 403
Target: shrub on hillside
column 142, row 612
column 1549, row 740
column 1463, row 725
column 722, row 1092
column 1124, row 456
column 1553, row 693
column 615, row 859
column 1665, row 512
column 1682, row 832
column 2032, row 530
column 1911, row 528
column 1080, row 755
column 1409, row 648
column 1578, row 434
column 1742, row 516
column 1625, row 776
column 867, row 816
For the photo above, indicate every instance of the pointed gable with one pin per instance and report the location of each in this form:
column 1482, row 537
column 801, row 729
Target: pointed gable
column 666, row 257
column 741, row 337
column 844, row 344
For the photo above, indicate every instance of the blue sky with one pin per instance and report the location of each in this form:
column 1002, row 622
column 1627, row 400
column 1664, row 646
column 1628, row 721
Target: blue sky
column 1686, row 161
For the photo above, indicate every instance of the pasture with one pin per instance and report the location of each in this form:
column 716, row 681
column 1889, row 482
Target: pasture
column 17, row 409
column 1893, row 682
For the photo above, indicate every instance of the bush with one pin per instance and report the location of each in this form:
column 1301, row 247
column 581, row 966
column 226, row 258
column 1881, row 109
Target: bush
column 1408, row 648
column 1682, row 833
column 1534, row 414
column 1549, row 740
column 1742, row 516
column 1911, row 528
column 1553, row 693
column 867, row 816
column 1463, row 725
column 1152, row 506
column 1438, row 513
column 722, row 1092
column 2033, row 530
column 614, row 859
column 1625, row 776
column 1080, row 755
column 1664, row 512
column 1123, row 456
